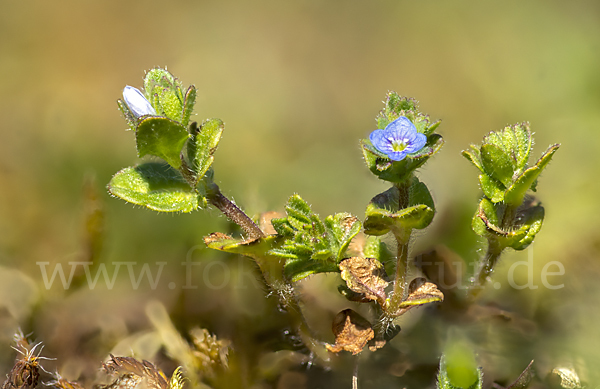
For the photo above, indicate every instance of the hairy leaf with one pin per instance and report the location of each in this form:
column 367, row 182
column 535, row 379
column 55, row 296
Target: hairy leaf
column 161, row 137
column 155, row 186
column 365, row 276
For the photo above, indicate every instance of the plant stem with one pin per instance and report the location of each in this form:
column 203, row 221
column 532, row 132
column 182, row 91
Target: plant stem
column 402, row 238
column 235, row 214
column 355, row 373
column 491, row 257
column 494, row 250
column 489, row 261
column 222, row 203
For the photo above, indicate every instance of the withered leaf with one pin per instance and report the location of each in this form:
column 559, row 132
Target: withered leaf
column 62, row 383
column 365, row 276
column 130, row 369
column 352, row 332
column 564, row 377
column 124, row 381
column 376, row 344
column 25, row 373
column 215, row 237
column 421, row 292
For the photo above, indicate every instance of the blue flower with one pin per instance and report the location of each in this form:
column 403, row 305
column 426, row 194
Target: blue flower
column 399, row 138
column 136, row 102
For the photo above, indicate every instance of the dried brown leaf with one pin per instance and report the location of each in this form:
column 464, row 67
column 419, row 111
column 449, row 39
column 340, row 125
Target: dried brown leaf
column 421, row 292
column 352, row 332
column 124, row 381
column 25, row 373
column 564, row 378
column 216, row 237
column 62, row 383
column 124, row 366
column 376, row 344
column 365, row 276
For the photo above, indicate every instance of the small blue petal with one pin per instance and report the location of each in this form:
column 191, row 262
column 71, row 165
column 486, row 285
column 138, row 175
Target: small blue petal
column 379, row 139
column 398, row 139
column 401, row 125
column 397, row 155
column 417, row 144
column 136, row 102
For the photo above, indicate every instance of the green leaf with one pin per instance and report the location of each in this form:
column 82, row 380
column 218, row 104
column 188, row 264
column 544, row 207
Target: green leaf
column 527, row 223
column 515, row 141
column 458, row 369
column 155, row 186
column 344, row 228
column 161, row 137
column 163, row 91
column 396, row 106
column 283, row 227
column 188, row 105
column 493, row 189
column 158, row 78
column 203, row 144
column 375, row 248
column 382, row 214
column 127, row 114
column 169, row 102
column 295, row 270
column 251, row 248
column 311, row 245
column 524, row 141
column 474, row 156
column 299, row 212
column 497, row 164
column 516, row 192
column 419, row 194
column 533, row 218
column 488, row 210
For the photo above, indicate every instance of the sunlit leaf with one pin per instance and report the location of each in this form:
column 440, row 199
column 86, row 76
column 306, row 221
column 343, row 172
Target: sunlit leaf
column 155, row 186
column 161, row 137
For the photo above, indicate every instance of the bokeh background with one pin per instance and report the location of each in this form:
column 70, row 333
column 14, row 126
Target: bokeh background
column 297, row 85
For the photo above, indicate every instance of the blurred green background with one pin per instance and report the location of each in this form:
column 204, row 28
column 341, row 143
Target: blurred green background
column 297, row 84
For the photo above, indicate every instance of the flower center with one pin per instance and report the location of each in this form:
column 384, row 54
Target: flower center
column 400, row 144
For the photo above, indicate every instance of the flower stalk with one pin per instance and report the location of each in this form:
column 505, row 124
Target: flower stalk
column 232, row 211
column 402, row 238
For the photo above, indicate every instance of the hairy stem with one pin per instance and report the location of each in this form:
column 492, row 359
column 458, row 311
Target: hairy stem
column 235, row 214
column 487, row 267
column 402, row 238
column 494, row 250
column 272, row 271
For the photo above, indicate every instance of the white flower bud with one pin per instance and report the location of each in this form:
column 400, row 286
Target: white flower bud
column 136, row 102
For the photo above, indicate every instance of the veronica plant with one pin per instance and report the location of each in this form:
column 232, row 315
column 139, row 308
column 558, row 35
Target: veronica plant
column 292, row 246
column 507, row 216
